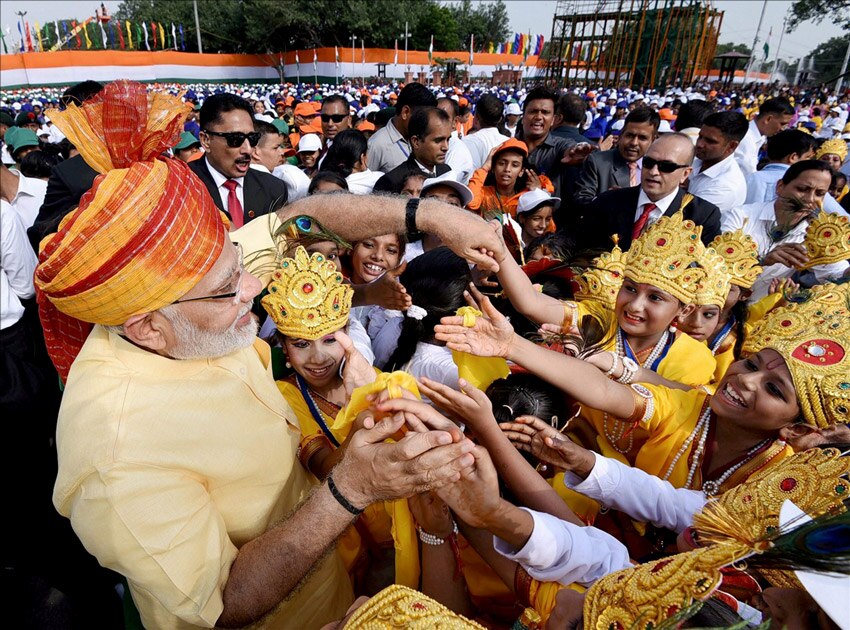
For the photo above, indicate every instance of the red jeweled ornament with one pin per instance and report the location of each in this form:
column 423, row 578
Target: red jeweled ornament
column 787, row 484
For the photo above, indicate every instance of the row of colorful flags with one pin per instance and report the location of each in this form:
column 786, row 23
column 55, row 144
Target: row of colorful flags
column 93, row 34
column 521, row 44
column 583, row 52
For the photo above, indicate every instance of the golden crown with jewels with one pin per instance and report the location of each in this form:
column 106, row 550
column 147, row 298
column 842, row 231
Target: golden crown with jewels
column 602, row 280
column 834, row 146
column 401, row 607
column 714, row 287
column 813, row 336
column 667, row 256
column 648, row 594
column 307, row 298
column 827, row 239
column 742, row 257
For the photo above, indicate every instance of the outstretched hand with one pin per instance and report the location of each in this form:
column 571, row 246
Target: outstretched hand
column 577, row 153
column 388, row 292
column 492, row 335
column 470, row 405
column 475, row 496
column 534, row 436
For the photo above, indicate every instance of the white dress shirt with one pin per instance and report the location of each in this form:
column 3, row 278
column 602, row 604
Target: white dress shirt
column 661, row 206
column 481, row 143
column 761, row 185
column 17, row 266
column 29, row 198
column 219, row 180
column 363, row 182
column 747, row 153
column 459, row 159
column 558, row 551
column 757, row 220
column 723, row 184
column 638, row 494
column 297, row 183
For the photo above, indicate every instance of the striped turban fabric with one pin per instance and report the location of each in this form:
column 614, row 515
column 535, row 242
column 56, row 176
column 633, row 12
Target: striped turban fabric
column 142, row 237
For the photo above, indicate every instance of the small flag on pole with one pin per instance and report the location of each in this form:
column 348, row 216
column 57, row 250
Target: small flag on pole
column 363, row 51
column 145, row 29
column 767, row 44
column 471, row 44
column 336, row 58
column 315, row 63
column 395, row 58
column 431, row 50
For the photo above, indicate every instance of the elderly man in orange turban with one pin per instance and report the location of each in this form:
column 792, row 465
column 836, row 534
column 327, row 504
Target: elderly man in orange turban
column 177, row 453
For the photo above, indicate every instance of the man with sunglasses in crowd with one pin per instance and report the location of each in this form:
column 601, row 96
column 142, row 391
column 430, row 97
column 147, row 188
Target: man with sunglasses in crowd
column 228, row 138
column 627, row 212
column 335, row 118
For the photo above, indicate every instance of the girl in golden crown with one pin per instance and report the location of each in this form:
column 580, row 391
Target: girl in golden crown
column 653, row 284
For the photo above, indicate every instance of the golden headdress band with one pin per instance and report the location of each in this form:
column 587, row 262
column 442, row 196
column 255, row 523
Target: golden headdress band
column 714, row 287
column 834, row 146
column 741, row 254
column 667, row 256
column 307, row 298
column 602, row 280
column 401, row 607
column 650, row 593
column 814, row 339
column 827, row 239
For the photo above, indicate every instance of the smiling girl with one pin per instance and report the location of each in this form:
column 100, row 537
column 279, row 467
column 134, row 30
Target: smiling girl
column 372, row 257
column 660, row 275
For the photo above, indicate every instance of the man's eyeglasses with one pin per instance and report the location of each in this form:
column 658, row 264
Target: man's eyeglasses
column 235, row 139
column 337, row 118
column 235, row 284
column 665, row 166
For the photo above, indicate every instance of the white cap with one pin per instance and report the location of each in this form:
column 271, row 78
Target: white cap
column 513, row 110
column 618, row 125
column 37, row 104
column 264, row 118
column 16, row 106
column 448, row 179
column 310, row 142
column 664, row 127
column 533, row 199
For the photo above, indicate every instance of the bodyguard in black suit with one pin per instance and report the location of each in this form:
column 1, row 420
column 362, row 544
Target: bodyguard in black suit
column 628, row 211
column 430, row 130
column 228, row 137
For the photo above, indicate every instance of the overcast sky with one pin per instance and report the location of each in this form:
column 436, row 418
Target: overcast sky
column 534, row 16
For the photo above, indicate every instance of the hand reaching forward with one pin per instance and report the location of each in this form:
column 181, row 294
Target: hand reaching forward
column 475, row 496
column 356, row 372
column 470, row 405
column 491, row 336
column 388, row 292
column 419, row 416
column 374, row 470
column 534, row 436
column 577, row 153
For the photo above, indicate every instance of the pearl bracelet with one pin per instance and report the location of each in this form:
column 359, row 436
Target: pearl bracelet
column 615, row 363
column 430, row 539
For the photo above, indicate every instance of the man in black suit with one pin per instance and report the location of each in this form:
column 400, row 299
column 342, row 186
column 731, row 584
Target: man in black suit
column 627, row 212
column 430, row 129
column 569, row 117
column 228, row 137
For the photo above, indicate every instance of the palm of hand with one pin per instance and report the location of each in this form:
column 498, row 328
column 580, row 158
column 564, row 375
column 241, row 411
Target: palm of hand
column 491, row 338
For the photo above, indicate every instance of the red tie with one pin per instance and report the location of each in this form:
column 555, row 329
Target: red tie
column 234, row 208
column 641, row 222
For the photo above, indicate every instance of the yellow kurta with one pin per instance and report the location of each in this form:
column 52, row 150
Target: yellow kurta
column 166, row 468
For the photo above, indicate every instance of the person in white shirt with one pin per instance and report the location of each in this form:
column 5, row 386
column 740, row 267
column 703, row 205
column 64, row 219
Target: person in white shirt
column 512, row 114
column 24, row 194
column 18, row 267
column 267, row 157
column 784, row 149
column 774, row 115
column 458, row 156
column 779, row 227
column 716, row 176
column 486, row 135
column 349, row 156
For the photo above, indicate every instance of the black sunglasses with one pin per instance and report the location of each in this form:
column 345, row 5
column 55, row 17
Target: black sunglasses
column 235, row 139
column 665, row 166
column 337, row 118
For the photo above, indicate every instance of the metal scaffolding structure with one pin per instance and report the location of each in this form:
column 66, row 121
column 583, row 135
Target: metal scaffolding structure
column 634, row 43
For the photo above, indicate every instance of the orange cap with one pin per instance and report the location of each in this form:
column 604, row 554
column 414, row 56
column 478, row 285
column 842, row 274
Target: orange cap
column 304, row 109
column 289, row 100
column 317, row 106
column 462, row 102
column 713, row 93
column 366, row 126
column 512, row 145
column 666, row 114
column 315, row 126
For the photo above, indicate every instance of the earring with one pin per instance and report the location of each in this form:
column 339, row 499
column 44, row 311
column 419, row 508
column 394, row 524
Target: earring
column 673, row 326
column 288, row 365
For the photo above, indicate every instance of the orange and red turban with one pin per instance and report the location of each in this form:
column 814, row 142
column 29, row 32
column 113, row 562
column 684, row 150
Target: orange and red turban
column 145, row 233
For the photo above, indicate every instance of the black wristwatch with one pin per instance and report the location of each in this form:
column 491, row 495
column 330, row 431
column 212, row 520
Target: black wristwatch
column 413, row 234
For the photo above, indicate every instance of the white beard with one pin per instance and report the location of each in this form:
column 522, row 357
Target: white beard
column 194, row 342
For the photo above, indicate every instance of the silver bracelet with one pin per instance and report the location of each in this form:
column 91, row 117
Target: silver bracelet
column 630, row 369
column 430, row 539
column 615, row 363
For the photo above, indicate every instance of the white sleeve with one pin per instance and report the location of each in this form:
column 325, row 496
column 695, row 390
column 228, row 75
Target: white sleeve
column 830, row 271
column 731, row 220
column 17, row 259
column 460, row 160
column 638, row 494
column 297, row 183
column 361, row 339
column 558, row 551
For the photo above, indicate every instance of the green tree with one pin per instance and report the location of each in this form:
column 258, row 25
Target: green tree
column 440, row 22
column 486, row 21
column 837, row 11
column 829, row 56
column 725, row 48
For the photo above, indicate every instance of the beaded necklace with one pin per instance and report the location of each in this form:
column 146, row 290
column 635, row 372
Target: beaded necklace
column 615, row 434
column 307, row 393
column 710, row 487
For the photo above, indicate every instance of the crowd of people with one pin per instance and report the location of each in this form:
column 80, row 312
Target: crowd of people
column 308, row 356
